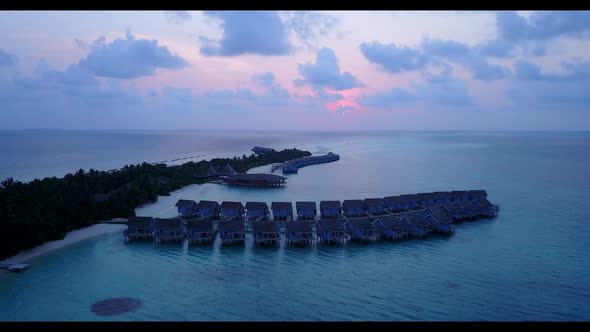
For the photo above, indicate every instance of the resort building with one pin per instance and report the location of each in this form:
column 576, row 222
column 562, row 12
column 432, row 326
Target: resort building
column 168, row 230
column 256, row 210
column 209, row 209
column 265, row 233
column 361, row 229
column 139, row 228
column 330, row 209
column 331, row 230
column 199, row 231
column 306, row 210
column 394, row 203
column 231, row 232
column 231, row 210
column 256, row 180
column 186, row 208
column 299, row 232
column 375, row 206
column 353, row 208
column 282, row 210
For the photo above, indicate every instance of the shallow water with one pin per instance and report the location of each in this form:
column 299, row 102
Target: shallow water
column 530, row 263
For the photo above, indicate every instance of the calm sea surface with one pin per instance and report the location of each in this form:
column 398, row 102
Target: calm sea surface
column 530, row 263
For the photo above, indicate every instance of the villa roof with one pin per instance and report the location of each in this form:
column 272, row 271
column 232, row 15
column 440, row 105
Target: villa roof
column 265, row 226
column 298, row 226
column 231, row 205
column 184, row 203
column 353, row 203
column 139, row 221
column 256, row 206
column 207, row 205
column 199, row 225
column 374, row 202
column 282, row 206
column 231, row 226
column 330, row 205
column 331, row 224
column 361, row 223
column 167, row 223
column 305, row 205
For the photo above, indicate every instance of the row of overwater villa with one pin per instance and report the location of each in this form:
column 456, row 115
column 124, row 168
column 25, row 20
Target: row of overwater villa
column 392, row 217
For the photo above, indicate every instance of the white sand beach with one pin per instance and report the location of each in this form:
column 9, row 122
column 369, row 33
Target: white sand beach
column 71, row 238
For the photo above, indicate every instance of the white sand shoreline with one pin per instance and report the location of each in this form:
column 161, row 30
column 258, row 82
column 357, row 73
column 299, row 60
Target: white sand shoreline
column 72, row 237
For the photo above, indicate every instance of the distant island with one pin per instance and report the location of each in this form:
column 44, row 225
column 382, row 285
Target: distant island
column 44, row 210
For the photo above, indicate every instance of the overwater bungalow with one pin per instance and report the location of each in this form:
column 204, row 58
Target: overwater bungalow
column 425, row 199
column 199, row 231
column 442, row 197
column 231, row 210
column 299, row 232
column 476, row 194
column 139, row 228
column 282, row 210
column 256, row 180
column 231, row 232
column 417, row 227
column 392, row 227
column 433, row 225
column 306, row 210
column 487, row 208
column 168, row 230
column 376, row 206
column 186, row 208
column 394, row 203
column 409, row 201
column 331, row 230
column 256, row 210
column 208, row 209
column 361, row 229
column 455, row 210
column 266, row 232
column 354, row 208
column 330, row 209
column 459, row 196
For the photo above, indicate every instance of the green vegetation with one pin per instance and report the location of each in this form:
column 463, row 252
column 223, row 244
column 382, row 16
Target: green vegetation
column 45, row 210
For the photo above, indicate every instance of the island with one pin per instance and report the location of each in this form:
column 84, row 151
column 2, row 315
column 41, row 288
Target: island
column 44, row 210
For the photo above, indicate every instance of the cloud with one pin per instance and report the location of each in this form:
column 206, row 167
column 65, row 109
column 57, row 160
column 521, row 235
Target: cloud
column 308, row 25
column 129, row 58
column 516, row 31
column 248, row 32
column 325, row 72
column 6, row 59
column 265, row 79
column 437, row 90
column 573, row 72
column 177, row 16
column 393, row 58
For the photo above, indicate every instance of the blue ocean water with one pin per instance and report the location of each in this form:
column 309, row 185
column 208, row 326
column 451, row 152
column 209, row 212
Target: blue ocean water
column 530, row 263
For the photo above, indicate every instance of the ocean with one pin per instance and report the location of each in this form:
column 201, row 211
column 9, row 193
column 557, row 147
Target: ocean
column 532, row 262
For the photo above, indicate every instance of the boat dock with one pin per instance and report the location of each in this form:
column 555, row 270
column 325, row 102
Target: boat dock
column 365, row 221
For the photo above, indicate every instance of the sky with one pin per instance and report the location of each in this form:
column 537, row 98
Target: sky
column 295, row 70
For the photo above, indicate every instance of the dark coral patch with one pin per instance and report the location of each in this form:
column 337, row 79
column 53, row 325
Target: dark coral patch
column 115, row 306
